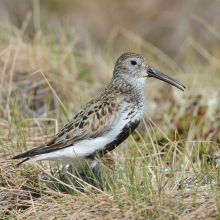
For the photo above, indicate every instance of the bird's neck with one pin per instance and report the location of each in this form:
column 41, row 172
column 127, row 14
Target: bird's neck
column 131, row 87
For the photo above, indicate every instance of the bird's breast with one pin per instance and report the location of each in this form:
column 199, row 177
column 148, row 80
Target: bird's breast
column 129, row 118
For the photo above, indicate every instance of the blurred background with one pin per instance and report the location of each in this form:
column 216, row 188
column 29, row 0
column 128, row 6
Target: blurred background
column 165, row 24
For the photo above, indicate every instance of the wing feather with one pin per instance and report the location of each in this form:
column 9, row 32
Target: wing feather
column 93, row 121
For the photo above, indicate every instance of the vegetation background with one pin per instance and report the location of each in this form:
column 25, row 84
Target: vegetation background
column 57, row 55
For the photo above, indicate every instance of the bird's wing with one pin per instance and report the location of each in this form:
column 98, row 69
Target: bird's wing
column 93, row 121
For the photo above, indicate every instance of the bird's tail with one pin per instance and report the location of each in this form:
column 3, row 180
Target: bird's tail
column 23, row 161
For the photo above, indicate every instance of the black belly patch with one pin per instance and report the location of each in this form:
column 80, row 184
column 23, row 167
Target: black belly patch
column 126, row 131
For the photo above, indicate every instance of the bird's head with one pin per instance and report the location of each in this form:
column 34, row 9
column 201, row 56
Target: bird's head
column 133, row 68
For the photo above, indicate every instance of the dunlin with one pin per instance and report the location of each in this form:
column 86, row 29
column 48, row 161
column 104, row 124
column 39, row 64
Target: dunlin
column 107, row 120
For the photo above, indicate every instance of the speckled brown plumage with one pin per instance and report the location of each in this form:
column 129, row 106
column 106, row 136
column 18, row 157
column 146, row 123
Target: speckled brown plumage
column 106, row 120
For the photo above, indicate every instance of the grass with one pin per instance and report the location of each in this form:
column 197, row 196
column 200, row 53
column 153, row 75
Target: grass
column 161, row 171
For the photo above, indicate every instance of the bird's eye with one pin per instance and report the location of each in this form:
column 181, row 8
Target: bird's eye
column 133, row 62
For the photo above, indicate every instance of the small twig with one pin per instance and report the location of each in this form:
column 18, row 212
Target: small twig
column 50, row 87
column 33, row 205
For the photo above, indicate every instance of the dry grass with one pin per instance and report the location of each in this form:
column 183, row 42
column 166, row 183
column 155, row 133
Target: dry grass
column 160, row 172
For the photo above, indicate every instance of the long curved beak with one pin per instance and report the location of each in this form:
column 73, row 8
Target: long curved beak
column 156, row 74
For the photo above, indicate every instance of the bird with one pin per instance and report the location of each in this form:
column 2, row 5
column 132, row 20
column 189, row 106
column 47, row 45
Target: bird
column 107, row 120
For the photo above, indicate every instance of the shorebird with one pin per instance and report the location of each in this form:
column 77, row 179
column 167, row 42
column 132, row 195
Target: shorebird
column 107, row 120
